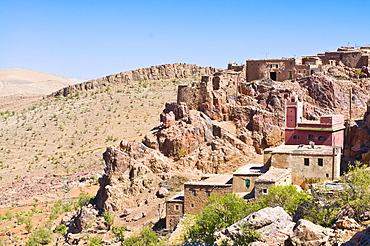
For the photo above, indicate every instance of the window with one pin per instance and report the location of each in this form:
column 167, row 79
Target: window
column 327, row 175
column 277, row 66
column 290, row 74
column 264, row 191
column 299, row 71
column 310, row 137
column 194, row 192
column 304, row 71
column 295, row 137
column 208, row 193
column 192, row 205
column 270, row 65
column 320, row 162
column 322, row 138
column 247, row 183
column 306, row 161
column 177, row 207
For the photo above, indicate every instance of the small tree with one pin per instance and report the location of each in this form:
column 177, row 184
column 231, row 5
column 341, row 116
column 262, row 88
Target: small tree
column 287, row 197
column 118, row 232
column 83, row 199
column 356, row 192
column 222, row 211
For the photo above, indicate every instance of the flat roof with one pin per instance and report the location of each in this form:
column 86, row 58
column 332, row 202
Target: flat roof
column 274, row 174
column 303, row 149
column 281, row 59
column 250, row 169
column 215, row 179
column 177, row 198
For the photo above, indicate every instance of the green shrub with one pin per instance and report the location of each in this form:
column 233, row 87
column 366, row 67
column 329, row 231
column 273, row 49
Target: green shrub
column 146, row 237
column 28, row 225
column 95, row 241
column 287, row 197
column 53, row 216
column 61, row 229
column 109, row 218
column 83, row 199
column 222, row 211
column 118, row 232
column 41, row 236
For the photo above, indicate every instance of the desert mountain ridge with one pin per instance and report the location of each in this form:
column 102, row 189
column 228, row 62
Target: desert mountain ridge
column 17, row 81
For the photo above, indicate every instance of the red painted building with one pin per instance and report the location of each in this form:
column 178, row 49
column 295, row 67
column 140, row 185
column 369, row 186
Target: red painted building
column 328, row 131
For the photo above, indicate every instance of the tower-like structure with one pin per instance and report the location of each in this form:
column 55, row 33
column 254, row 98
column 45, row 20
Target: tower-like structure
column 328, row 131
column 293, row 112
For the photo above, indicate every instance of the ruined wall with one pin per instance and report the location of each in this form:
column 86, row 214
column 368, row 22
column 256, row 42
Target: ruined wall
column 168, row 71
column 196, row 195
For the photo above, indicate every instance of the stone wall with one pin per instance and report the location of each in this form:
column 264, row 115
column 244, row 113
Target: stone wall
column 168, row 71
column 174, row 213
column 196, row 195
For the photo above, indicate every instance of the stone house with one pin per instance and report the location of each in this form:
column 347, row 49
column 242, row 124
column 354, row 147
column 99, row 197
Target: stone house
column 349, row 56
column 329, row 130
column 282, row 69
column 274, row 176
column 307, row 163
column 174, row 210
column 196, row 193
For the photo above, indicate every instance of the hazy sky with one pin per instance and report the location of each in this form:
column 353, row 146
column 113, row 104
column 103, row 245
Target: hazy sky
column 91, row 39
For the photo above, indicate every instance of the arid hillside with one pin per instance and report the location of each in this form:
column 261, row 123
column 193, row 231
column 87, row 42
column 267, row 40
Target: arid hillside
column 28, row 82
column 40, row 135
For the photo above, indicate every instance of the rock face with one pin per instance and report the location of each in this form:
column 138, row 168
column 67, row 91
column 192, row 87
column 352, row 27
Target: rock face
column 168, row 71
column 132, row 170
column 358, row 138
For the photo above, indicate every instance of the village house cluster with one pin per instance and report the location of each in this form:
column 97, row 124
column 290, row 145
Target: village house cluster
column 312, row 149
column 295, row 68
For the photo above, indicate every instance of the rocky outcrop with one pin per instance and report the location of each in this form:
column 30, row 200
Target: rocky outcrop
column 273, row 224
column 132, row 170
column 277, row 228
column 168, row 71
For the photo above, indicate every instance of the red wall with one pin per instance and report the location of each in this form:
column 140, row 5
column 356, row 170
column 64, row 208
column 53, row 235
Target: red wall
column 332, row 138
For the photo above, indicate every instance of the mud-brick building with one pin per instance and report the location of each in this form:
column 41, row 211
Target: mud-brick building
column 329, row 130
column 282, row 69
column 174, row 210
column 274, row 176
column 196, row 193
column 349, row 56
column 307, row 163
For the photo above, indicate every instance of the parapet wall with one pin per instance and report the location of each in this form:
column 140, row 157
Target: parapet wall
column 168, row 71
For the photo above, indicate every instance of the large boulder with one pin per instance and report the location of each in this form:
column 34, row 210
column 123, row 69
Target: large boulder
column 273, row 224
column 359, row 239
column 307, row 233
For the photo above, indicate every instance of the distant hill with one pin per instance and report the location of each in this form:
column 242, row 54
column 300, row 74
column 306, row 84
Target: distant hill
column 28, row 82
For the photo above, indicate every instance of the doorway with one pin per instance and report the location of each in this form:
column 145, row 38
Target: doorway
column 273, row 76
